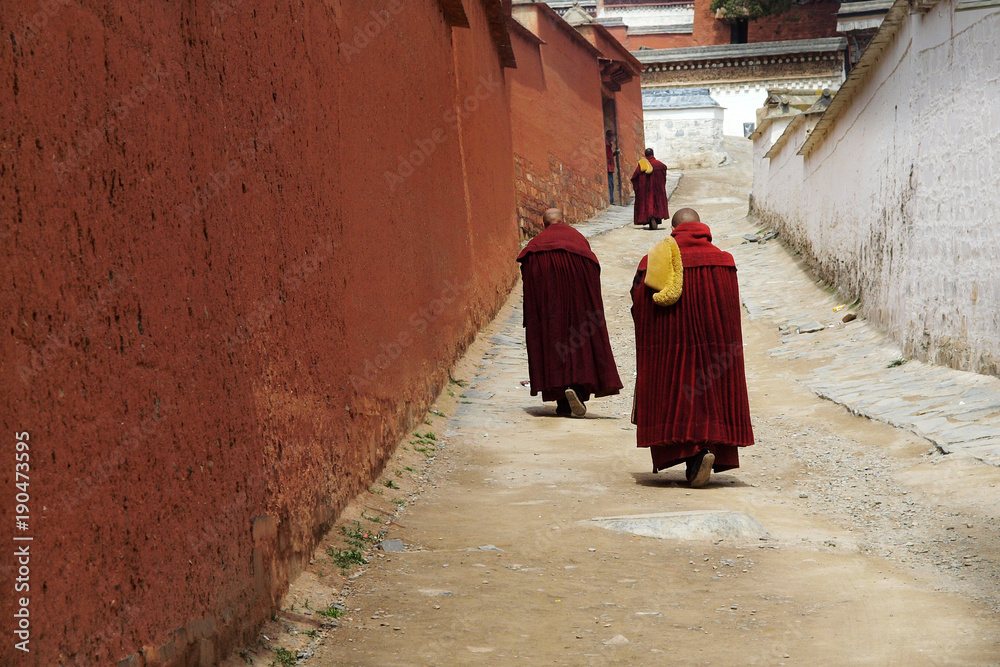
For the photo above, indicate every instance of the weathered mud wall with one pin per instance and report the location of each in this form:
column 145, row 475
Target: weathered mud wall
column 243, row 242
column 559, row 113
column 558, row 125
column 896, row 205
column 631, row 131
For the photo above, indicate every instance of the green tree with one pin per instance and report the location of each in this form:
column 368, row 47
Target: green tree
column 748, row 10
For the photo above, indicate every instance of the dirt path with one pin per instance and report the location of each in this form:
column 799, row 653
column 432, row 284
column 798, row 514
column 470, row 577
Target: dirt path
column 878, row 553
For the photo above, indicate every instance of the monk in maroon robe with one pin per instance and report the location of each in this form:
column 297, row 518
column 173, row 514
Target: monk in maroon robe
column 691, row 401
column 649, row 181
column 569, row 354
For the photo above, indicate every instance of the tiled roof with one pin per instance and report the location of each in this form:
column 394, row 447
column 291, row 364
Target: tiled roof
column 677, row 98
column 723, row 51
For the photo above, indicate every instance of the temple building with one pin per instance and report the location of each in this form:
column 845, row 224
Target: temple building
column 684, row 46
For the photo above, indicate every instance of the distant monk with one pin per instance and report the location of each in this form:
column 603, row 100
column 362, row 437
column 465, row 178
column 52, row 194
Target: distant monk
column 649, row 181
column 569, row 354
column 691, row 392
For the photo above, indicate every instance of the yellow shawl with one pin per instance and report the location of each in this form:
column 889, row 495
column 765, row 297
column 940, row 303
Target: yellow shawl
column 645, row 166
column 664, row 272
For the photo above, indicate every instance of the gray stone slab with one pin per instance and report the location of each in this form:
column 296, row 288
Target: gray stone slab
column 810, row 327
column 392, row 546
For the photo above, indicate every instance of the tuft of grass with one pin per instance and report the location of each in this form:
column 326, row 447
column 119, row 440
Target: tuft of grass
column 359, row 537
column 399, row 473
column 389, row 484
column 460, row 383
column 373, row 519
column 410, row 468
column 399, row 502
column 331, row 612
column 311, row 634
column 283, row 657
column 345, row 558
column 896, row 362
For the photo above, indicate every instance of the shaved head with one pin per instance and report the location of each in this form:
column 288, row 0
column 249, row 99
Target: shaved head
column 649, row 152
column 552, row 215
column 685, row 215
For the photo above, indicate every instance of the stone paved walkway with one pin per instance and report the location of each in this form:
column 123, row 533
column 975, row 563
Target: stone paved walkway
column 955, row 410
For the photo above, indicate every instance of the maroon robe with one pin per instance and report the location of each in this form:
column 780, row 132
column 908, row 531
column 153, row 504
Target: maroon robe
column 691, row 389
column 650, row 193
column 565, row 330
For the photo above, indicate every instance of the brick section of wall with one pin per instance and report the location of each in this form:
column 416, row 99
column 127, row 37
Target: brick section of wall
column 579, row 196
column 809, row 21
column 243, row 244
column 709, row 30
column 665, row 41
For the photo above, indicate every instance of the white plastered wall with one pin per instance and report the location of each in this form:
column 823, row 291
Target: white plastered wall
column 685, row 138
column 900, row 202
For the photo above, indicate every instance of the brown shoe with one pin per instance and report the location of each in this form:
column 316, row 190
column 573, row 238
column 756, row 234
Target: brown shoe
column 575, row 404
column 702, row 469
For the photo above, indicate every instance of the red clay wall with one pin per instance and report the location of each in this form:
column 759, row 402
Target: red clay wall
column 708, row 30
column 558, row 128
column 631, row 136
column 810, row 21
column 665, row 41
column 238, row 264
column 623, row 107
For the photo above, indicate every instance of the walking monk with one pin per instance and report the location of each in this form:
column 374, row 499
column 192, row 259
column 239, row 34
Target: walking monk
column 691, row 392
column 649, row 181
column 569, row 354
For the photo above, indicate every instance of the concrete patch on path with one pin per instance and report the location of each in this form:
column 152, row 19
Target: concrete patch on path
column 733, row 527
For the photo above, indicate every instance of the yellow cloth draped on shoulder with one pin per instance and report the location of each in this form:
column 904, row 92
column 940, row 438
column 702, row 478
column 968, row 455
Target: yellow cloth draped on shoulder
column 665, row 272
column 645, row 166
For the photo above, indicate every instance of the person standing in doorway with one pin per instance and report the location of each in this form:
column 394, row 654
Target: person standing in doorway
column 611, row 152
